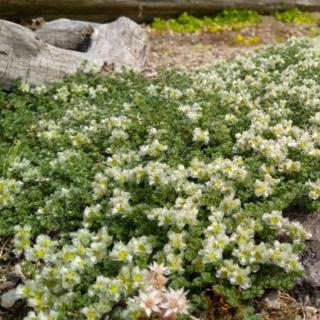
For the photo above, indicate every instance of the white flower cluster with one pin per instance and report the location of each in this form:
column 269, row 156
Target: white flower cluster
column 314, row 188
column 201, row 135
column 120, row 202
column 265, row 188
column 24, row 87
column 64, row 269
column 184, row 212
column 90, row 68
column 193, row 112
column 154, row 149
column 8, row 189
column 22, row 239
column 172, row 93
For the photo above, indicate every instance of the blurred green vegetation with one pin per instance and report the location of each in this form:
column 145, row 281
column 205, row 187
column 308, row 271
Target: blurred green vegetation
column 295, row 16
column 225, row 20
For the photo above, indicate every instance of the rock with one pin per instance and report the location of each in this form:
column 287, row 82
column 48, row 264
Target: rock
column 150, row 73
column 67, row 34
column 8, row 299
column 26, row 55
column 7, row 285
column 311, row 313
column 271, row 300
column 122, row 43
column 312, row 274
column 307, row 290
column 18, row 273
column 13, row 279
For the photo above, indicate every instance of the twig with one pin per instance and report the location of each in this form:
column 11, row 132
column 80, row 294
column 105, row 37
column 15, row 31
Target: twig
column 4, row 245
column 288, row 297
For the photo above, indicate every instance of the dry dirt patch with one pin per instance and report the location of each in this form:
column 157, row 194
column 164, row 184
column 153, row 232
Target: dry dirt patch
column 194, row 50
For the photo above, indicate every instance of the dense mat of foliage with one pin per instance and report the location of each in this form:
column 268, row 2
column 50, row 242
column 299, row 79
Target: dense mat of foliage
column 106, row 176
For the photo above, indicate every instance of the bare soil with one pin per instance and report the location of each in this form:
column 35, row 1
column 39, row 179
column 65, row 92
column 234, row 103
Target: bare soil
column 195, row 50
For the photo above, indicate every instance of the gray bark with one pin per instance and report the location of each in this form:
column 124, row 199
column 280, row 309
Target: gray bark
column 27, row 55
column 66, row 34
column 106, row 10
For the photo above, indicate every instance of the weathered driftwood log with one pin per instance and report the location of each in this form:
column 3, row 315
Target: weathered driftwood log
column 27, row 55
column 106, row 10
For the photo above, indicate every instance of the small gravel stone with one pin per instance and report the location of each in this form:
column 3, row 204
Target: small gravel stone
column 9, row 298
column 271, row 300
column 7, row 285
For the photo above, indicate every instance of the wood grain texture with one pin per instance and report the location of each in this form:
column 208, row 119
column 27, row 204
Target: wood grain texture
column 27, row 55
column 139, row 10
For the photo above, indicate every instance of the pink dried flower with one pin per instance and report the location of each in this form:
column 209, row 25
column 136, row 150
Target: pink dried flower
column 149, row 302
column 175, row 302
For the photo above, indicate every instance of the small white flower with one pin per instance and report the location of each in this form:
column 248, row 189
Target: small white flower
column 275, row 220
column 314, row 189
column 262, row 189
column 121, row 252
column 24, row 87
column 140, row 246
column 200, row 135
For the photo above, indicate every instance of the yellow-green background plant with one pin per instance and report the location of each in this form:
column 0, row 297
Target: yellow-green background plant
column 294, row 15
column 229, row 19
column 225, row 20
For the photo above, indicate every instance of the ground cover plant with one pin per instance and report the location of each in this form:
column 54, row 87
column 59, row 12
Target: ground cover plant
column 134, row 198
